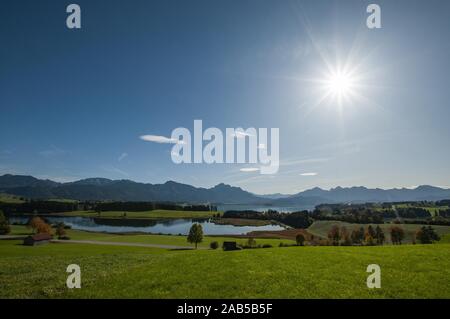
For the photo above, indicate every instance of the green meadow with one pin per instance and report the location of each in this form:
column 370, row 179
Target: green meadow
column 174, row 240
column 10, row 199
column 110, row 271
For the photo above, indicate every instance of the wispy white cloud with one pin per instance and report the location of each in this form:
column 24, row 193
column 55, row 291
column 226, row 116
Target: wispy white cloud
column 115, row 170
column 241, row 134
column 122, row 157
column 52, row 152
column 309, row 174
column 160, row 139
column 304, row 161
column 249, row 169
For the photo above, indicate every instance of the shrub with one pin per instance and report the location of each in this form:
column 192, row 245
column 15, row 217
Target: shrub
column 60, row 231
column 267, row 246
column 4, row 226
column 251, row 242
column 286, row 245
column 300, row 239
column 369, row 241
column 214, row 245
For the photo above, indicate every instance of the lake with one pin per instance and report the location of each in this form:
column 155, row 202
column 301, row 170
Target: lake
column 173, row 227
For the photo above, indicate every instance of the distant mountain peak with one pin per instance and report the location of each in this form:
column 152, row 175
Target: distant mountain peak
column 426, row 187
column 223, row 185
column 99, row 188
column 96, row 181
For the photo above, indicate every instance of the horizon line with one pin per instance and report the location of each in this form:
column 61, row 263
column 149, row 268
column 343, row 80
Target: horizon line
column 222, row 183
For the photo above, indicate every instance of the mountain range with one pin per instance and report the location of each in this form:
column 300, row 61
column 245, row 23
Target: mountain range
column 126, row 190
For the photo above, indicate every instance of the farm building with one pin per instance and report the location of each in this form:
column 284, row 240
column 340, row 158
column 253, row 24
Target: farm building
column 38, row 239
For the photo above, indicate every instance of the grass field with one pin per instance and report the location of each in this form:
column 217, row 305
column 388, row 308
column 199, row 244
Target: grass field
column 321, row 228
column 431, row 210
column 445, row 239
column 151, row 239
column 408, row 271
column 10, row 199
column 154, row 214
column 63, row 200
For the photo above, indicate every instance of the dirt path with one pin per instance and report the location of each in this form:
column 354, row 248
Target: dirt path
column 10, row 237
column 112, row 243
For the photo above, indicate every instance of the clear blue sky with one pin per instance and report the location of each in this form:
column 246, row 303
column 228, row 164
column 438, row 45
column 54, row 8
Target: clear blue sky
column 74, row 102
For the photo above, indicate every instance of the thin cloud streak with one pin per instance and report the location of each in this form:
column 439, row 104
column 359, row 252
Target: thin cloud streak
column 305, row 161
column 160, row 139
column 122, row 157
column 249, row 169
column 309, row 174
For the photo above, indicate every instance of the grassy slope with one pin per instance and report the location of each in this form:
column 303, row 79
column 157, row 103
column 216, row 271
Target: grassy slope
column 149, row 239
column 10, row 199
column 321, row 228
column 155, row 214
column 411, row 271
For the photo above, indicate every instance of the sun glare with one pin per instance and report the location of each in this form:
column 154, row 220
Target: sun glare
column 340, row 84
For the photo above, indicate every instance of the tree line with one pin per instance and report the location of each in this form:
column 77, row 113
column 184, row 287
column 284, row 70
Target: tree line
column 301, row 219
column 49, row 207
column 371, row 236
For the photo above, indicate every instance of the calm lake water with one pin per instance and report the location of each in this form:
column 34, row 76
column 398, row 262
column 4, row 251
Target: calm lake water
column 173, row 227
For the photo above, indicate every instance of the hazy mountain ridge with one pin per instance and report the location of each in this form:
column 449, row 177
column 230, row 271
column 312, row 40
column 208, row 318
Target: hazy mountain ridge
column 123, row 190
column 127, row 190
column 363, row 194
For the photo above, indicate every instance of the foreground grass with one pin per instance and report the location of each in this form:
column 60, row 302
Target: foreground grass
column 321, row 229
column 408, row 271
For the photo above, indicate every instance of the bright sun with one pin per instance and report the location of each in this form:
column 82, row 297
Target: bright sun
column 340, row 84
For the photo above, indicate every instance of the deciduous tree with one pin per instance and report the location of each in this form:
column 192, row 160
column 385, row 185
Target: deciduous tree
column 300, row 239
column 195, row 234
column 427, row 235
column 4, row 225
column 397, row 235
column 334, row 235
column 379, row 235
